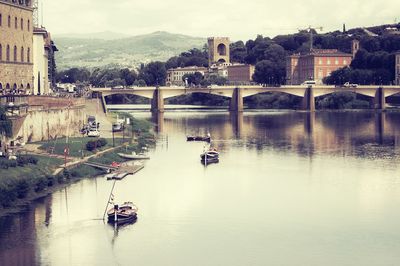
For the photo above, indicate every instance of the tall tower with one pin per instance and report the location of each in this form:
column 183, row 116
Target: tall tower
column 218, row 50
column 355, row 46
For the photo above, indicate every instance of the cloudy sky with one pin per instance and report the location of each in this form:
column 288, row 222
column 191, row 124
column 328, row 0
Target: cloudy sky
column 238, row 19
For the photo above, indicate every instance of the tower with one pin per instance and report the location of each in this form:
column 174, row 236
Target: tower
column 355, row 46
column 218, row 50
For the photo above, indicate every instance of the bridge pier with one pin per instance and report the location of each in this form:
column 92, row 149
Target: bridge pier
column 236, row 104
column 379, row 100
column 309, row 100
column 103, row 103
column 157, row 103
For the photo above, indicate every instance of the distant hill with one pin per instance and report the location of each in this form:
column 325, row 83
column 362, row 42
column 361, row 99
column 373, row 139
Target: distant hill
column 105, row 35
column 105, row 49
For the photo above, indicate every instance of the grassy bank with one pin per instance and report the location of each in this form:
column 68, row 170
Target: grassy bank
column 21, row 184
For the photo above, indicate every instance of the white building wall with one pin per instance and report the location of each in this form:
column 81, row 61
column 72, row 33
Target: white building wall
column 40, row 65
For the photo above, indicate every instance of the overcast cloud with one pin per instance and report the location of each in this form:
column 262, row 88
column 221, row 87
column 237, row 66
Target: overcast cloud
column 238, row 19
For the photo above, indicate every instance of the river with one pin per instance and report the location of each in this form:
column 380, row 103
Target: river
column 291, row 188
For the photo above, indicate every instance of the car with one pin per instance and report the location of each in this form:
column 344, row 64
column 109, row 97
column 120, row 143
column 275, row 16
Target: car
column 117, row 127
column 93, row 133
column 309, row 83
column 350, row 85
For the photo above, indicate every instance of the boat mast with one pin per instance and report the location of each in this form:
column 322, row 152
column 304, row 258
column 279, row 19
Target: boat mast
column 110, row 197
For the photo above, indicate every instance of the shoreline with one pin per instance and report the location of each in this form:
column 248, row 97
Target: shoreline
column 76, row 171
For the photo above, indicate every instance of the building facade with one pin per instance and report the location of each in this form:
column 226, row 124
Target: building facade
column 175, row 75
column 218, row 50
column 240, row 73
column 315, row 65
column 397, row 74
column 44, row 66
column 16, row 31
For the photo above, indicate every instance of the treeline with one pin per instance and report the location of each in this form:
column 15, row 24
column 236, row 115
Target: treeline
column 151, row 74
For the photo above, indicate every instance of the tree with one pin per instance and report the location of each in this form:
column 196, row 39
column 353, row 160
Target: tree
column 238, row 52
column 128, row 75
column 5, row 123
column 268, row 72
column 194, row 78
column 154, row 74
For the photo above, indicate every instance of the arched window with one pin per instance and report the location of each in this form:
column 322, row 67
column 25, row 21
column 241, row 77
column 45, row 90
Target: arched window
column 7, row 87
column 22, row 24
column 1, row 52
column 22, row 54
column 1, row 87
column 28, row 55
column 15, row 53
column 9, row 21
column 29, row 25
column 221, row 49
column 1, row 20
column 8, row 53
column 16, row 22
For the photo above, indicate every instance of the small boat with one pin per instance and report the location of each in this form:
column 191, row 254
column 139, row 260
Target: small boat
column 199, row 138
column 210, row 156
column 125, row 213
column 134, row 156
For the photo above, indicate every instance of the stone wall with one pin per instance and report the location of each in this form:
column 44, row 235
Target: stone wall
column 45, row 124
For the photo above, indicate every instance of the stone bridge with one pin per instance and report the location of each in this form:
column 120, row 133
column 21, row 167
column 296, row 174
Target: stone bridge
column 237, row 93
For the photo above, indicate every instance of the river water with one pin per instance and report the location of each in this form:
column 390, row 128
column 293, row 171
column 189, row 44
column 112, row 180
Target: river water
column 291, row 188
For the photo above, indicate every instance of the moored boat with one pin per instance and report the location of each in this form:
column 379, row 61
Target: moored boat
column 198, row 138
column 210, row 156
column 134, row 156
column 122, row 214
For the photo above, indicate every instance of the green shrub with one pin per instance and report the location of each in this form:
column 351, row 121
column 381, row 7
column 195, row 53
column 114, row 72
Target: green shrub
column 94, row 144
column 8, row 195
column 22, row 188
column 40, row 184
column 51, row 180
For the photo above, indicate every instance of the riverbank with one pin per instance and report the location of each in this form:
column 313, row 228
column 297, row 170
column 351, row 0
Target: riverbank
column 21, row 185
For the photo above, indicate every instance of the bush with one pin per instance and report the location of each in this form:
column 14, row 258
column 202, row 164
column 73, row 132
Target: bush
column 8, row 195
column 41, row 184
column 22, row 188
column 94, row 144
column 51, row 180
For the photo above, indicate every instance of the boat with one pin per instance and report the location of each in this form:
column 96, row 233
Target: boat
column 122, row 214
column 134, row 156
column 210, row 156
column 198, row 138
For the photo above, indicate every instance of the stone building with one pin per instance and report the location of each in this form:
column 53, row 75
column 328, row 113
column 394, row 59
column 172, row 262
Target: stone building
column 218, row 50
column 16, row 31
column 397, row 75
column 175, row 75
column 240, row 73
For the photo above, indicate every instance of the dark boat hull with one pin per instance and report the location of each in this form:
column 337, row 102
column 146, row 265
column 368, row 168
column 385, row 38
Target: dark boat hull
column 122, row 219
column 198, row 138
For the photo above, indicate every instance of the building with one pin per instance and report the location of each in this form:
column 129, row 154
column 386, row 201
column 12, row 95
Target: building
column 218, row 50
column 397, row 75
column 317, row 64
column 44, row 66
column 175, row 75
column 240, row 73
column 16, row 68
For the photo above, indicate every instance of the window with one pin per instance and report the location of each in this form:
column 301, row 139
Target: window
column 15, row 53
column 1, row 20
column 8, row 53
column 344, row 62
column 9, row 21
column 22, row 24
column 328, row 61
column 1, row 53
column 320, row 61
column 336, row 61
column 29, row 25
column 28, row 55
column 22, row 54
column 16, row 22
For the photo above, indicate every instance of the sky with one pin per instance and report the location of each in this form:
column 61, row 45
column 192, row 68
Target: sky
column 237, row 19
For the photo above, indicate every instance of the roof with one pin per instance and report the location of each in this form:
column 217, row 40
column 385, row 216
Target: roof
column 190, row 68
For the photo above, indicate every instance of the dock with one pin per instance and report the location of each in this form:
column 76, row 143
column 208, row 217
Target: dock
column 101, row 166
column 124, row 171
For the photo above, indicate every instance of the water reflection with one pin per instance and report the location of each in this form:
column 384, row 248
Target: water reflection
column 300, row 160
